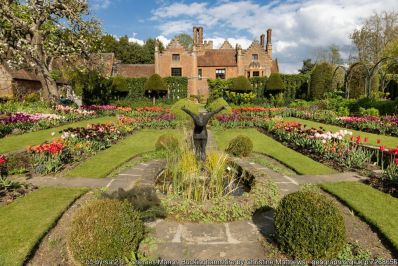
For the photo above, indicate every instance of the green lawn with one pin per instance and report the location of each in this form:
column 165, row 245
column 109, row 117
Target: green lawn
column 377, row 208
column 25, row 222
column 106, row 161
column 266, row 145
column 387, row 141
column 18, row 142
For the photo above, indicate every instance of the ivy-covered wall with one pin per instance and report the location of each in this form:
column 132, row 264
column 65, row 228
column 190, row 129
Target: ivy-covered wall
column 177, row 87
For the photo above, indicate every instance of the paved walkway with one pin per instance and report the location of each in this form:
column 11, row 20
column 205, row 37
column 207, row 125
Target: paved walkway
column 234, row 240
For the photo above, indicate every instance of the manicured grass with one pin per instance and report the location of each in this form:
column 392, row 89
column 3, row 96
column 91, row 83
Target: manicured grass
column 388, row 141
column 18, row 142
column 106, row 161
column 264, row 144
column 377, row 208
column 24, row 222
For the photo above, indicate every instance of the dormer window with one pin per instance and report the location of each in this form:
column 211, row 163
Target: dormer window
column 175, row 57
column 254, row 57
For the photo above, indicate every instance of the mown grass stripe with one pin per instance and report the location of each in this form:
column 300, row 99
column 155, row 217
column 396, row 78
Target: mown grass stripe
column 25, row 222
column 388, row 141
column 375, row 207
column 266, row 145
column 18, row 142
column 104, row 162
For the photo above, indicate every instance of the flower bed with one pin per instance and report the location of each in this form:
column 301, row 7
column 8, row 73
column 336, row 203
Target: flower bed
column 74, row 145
column 386, row 125
column 152, row 117
column 22, row 122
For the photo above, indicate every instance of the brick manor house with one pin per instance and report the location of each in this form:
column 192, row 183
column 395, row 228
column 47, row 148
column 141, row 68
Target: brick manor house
column 202, row 63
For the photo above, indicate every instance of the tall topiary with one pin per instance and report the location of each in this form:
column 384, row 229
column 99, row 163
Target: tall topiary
column 241, row 83
column 309, row 226
column 275, row 83
column 155, row 84
column 321, row 80
column 105, row 230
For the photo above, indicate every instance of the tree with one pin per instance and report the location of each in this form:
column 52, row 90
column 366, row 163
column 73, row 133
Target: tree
column 241, row 83
column 186, row 40
column 321, row 80
column 377, row 32
column 275, row 83
column 35, row 33
column 329, row 55
column 307, row 66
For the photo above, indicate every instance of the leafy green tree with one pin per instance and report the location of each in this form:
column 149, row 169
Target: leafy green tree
column 35, row 33
column 321, row 79
column 186, row 40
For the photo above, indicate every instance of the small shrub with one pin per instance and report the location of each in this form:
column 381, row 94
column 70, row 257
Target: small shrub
column 309, row 226
column 167, row 142
column 217, row 104
column 275, row 82
column 321, row 80
column 105, row 230
column 240, row 146
column 181, row 115
column 343, row 111
column 241, row 83
column 32, row 97
column 371, row 111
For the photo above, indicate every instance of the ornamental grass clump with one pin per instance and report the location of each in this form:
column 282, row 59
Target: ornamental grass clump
column 309, row 226
column 105, row 229
column 191, row 179
column 240, row 146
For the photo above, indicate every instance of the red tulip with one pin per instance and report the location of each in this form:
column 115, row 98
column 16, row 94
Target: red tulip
column 396, row 161
column 366, row 140
column 382, row 148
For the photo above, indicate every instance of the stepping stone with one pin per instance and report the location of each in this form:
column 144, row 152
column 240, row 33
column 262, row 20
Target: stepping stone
column 203, row 233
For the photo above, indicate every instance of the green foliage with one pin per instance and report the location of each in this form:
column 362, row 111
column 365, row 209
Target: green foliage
column 167, row 142
column 119, row 83
column 307, row 66
column 181, row 115
column 371, row 111
column 32, row 97
column 185, row 40
column 240, row 146
column 240, row 98
column 131, row 52
column 352, row 251
column 155, row 83
column 321, row 80
column 240, row 83
column 296, row 86
column 343, row 111
column 217, row 87
column 384, row 107
column 309, row 226
column 91, row 86
column 105, row 229
column 275, row 83
column 217, row 104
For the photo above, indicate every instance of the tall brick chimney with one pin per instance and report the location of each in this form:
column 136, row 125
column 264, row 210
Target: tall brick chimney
column 197, row 36
column 200, row 35
column 269, row 43
column 262, row 40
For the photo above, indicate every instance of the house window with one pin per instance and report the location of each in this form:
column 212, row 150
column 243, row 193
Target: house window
column 176, row 72
column 220, row 73
column 256, row 73
column 200, row 74
column 175, row 57
column 254, row 57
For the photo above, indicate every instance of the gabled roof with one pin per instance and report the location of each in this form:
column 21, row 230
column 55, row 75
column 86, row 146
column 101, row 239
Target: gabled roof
column 24, row 74
column 226, row 45
column 220, row 57
column 175, row 43
column 135, row 70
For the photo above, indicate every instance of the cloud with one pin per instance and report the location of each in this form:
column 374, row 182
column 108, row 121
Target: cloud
column 100, row 4
column 164, row 40
column 140, row 42
column 299, row 27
